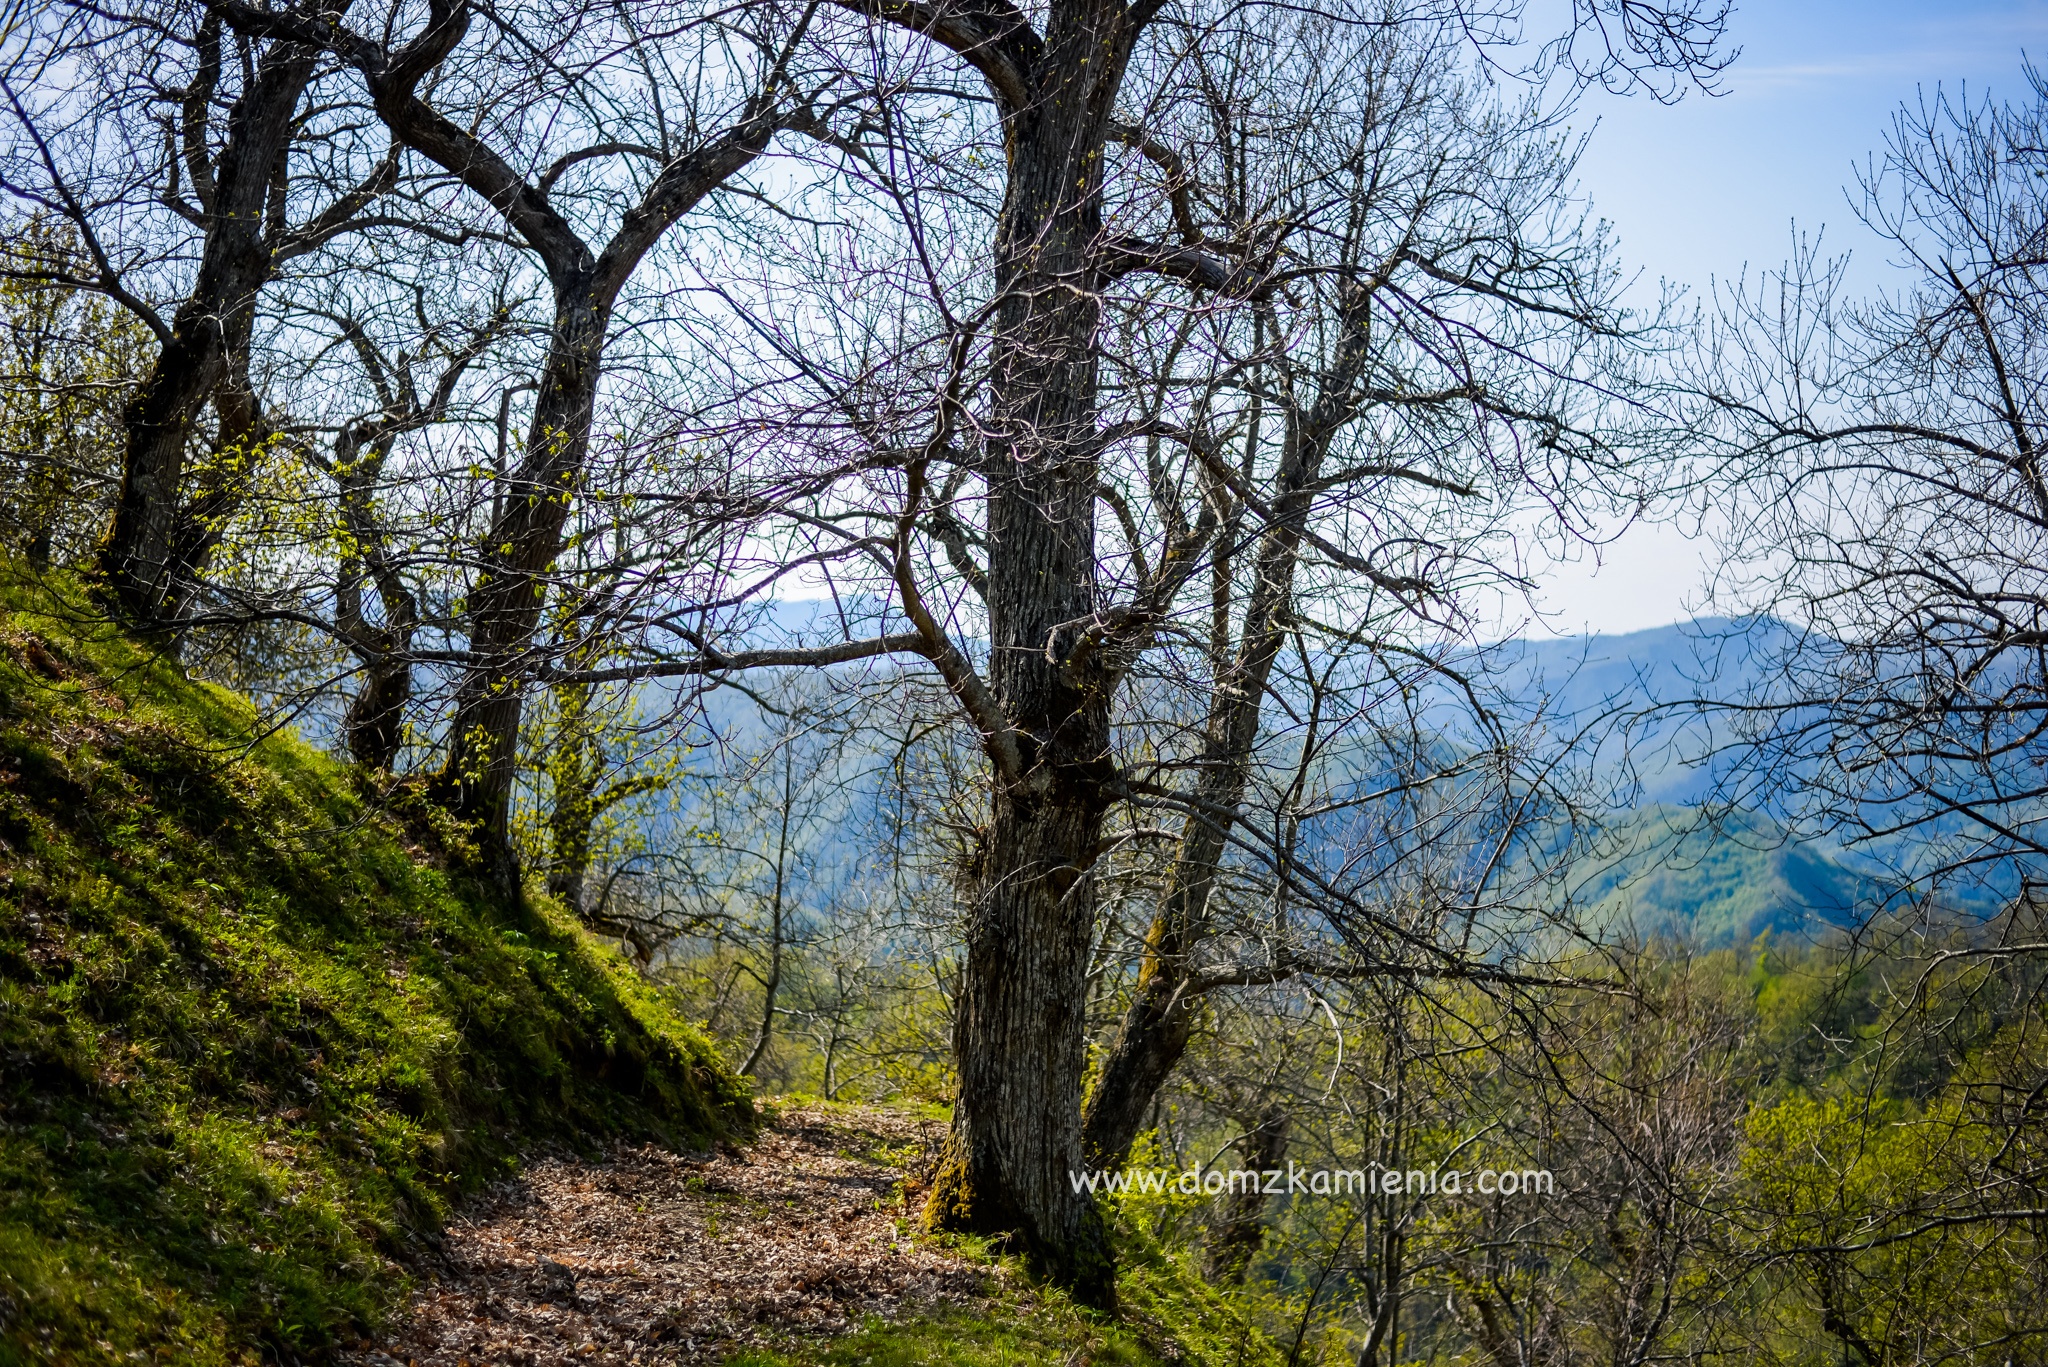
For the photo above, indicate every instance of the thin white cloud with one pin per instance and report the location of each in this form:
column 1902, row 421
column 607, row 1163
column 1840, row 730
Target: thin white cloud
column 1927, row 51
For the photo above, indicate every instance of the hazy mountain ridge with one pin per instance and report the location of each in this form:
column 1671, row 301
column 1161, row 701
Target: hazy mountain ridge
column 1720, row 885
column 1657, row 757
column 1666, row 875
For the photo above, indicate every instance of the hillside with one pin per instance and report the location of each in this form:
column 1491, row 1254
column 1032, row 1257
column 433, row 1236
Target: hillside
column 1721, row 888
column 257, row 1030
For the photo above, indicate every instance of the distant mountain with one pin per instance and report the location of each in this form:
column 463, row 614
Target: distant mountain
column 1581, row 680
column 1721, row 887
column 1718, row 887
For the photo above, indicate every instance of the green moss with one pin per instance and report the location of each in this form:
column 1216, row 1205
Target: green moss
column 1168, row 1314
column 952, row 1337
column 256, row 1030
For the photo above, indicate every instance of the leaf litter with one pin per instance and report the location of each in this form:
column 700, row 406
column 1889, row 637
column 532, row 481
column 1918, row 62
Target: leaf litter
column 649, row 1256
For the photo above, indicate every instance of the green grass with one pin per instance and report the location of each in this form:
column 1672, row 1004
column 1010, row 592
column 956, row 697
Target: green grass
column 256, row 1031
column 1168, row 1316
column 965, row 1339
column 1038, row 1329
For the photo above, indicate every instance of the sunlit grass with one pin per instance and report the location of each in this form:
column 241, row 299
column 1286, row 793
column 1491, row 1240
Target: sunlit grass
column 256, row 1030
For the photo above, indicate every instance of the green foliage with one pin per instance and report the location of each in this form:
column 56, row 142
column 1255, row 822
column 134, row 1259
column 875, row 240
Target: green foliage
column 588, row 768
column 255, row 1033
column 1783, row 1154
column 1722, row 887
column 1163, row 1294
column 1003, row 1338
column 68, row 358
column 870, row 1031
column 1890, row 1199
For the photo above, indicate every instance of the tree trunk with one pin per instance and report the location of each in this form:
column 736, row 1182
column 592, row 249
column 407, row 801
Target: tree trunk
column 1018, row 1040
column 1158, row 1023
column 138, row 563
column 1160, row 1019
column 217, row 491
column 772, row 984
column 375, row 724
column 1242, row 1229
column 1016, row 1140
column 504, row 605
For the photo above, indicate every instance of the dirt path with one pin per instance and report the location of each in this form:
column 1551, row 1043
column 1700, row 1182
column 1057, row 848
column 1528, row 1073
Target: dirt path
column 654, row 1257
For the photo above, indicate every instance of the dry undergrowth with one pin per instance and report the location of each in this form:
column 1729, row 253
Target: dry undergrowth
column 655, row 1257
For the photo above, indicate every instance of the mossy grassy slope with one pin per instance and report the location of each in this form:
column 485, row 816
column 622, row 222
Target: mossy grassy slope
column 256, row 1032
column 1167, row 1318
column 1168, row 1315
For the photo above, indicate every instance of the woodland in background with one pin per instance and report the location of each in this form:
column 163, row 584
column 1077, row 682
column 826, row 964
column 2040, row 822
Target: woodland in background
column 967, row 540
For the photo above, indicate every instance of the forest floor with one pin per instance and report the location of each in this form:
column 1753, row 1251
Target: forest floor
column 647, row 1256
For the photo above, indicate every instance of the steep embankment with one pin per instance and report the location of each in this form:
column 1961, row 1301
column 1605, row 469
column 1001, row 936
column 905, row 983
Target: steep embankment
column 256, row 1031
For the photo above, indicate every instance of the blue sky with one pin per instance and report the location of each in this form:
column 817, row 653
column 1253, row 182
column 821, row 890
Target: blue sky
column 1697, row 190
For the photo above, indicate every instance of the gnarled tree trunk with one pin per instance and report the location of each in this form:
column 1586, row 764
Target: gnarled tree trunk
column 152, row 541
column 504, row 605
column 1019, row 1037
column 375, row 722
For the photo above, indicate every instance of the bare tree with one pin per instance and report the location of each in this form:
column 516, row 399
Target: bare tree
column 245, row 173
column 693, row 147
column 1197, row 355
column 1890, row 510
column 374, row 727
column 1382, row 437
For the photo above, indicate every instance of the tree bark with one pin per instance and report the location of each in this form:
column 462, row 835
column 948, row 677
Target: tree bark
column 139, row 561
column 375, row 722
column 211, row 498
column 771, row 985
column 1019, row 1033
column 1159, row 1021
